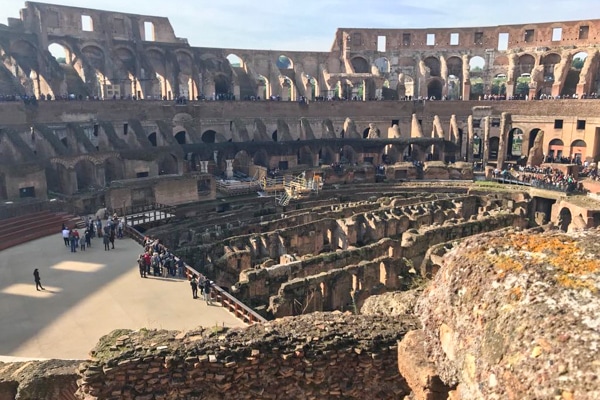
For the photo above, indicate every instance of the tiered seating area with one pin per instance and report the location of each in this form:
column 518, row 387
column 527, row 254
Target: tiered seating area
column 19, row 230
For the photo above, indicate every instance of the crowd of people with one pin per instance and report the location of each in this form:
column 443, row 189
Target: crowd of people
column 542, row 177
column 158, row 261
column 109, row 230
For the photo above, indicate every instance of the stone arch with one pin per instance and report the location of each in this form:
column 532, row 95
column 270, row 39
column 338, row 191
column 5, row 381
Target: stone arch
column 514, row 149
column 263, row 89
column 287, row 89
column 61, row 52
column 434, row 65
column 94, row 73
column 391, row 154
column 261, row 157
column 235, row 61
column 360, row 65
column 306, row 156
column 525, row 64
column 564, row 219
column 242, row 162
column 327, row 156
column 124, row 70
column 114, row 170
column 532, row 135
column 494, row 144
column 85, row 171
column 274, row 135
column 167, row 164
column 556, row 148
column 222, row 84
column 181, row 137
column 477, row 65
column 152, row 139
column 434, row 89
column 186, row 83
column 209, row 136
column 27, row 69
column 574, row 73
column 161, row 86
column 348, row 155
column 382, row 64
column 578, row 150
column 284, row 62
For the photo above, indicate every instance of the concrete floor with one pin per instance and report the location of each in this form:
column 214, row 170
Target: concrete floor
column 88, row 294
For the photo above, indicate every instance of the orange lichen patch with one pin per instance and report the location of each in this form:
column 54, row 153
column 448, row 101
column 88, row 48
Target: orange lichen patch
column 515, row 252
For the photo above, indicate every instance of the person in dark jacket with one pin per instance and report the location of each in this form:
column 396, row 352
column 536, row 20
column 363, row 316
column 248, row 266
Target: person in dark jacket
column 38, row 282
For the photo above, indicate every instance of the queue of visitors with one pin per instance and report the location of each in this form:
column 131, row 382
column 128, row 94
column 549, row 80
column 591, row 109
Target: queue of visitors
column 158, row 261
column 542, row 177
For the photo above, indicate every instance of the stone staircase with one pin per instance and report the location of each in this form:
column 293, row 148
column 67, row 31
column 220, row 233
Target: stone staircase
column 19, row 230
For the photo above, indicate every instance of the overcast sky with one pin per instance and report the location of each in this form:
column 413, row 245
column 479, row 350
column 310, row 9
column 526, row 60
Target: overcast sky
column 311, row 24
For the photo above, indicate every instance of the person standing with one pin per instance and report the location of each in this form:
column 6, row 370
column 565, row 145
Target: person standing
column 194, row 285
column 207, row 287
column 38, row 282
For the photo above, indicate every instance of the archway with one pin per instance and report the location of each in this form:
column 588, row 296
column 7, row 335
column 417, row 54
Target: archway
column 274, row 135
column 360, row 65
column 287, row 89
column 167, row 165
column 391, row 154
column 261, row 158
column 305, row 156
column 514, row 149
column 476, row 65
column 382, row 64
column 222, row 86
column 532, row 135
column 263, row 90
column 235, row 61
column 241, row 162
column 326, row 156
column 578, row 151
column 114, row 170
column 95, row 72
column 564, row 219
column 434, row 89
column 348, row 155
column 209, row 136
column 61, row 53
column 186, row 83
column 86, row 175
column 434, row 65
column 549, row 61
column 570, row 86
column 555, row 149
column 494, row 145
column 161, row 87
column 284, row 62
column 152, row 139
column 181, row 137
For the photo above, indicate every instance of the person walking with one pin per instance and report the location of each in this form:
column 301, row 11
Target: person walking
column 38, row 282
column 194, row 285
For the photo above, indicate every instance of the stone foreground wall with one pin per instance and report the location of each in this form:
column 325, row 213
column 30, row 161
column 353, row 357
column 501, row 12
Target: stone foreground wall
column 39, row 380
column 315, row 356
column 513, row 315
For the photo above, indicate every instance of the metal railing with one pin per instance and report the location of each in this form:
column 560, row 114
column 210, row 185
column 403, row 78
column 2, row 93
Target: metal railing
column 239, row 309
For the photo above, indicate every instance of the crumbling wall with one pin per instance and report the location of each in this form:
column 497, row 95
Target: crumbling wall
column 39, row 380
column 317, row 356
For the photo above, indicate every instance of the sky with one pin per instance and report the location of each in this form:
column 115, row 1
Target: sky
column 311, row 24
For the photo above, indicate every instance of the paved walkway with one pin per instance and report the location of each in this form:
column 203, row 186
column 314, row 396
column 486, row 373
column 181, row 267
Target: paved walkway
column 88, row 294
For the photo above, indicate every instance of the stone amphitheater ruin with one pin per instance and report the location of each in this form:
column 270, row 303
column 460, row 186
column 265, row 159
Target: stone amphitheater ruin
column 386, row 256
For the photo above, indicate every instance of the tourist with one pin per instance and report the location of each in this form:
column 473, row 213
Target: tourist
column 207, row 285
column 65, row 235
column 142, row 266
column 38, row 282
column 194, row 285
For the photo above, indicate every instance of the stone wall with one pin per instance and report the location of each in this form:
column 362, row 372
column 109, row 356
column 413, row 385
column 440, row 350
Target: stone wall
column 322, row 355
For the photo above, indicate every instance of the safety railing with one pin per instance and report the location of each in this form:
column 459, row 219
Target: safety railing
column 229, row 302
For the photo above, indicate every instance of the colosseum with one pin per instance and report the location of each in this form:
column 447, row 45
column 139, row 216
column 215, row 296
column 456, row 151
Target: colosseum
column 418, row 190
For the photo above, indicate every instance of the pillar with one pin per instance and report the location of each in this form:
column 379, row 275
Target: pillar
column 444, row 76
column 505, row 126
column 229, row 170
column 204, row 167
column 485, row 142
column 470, row 139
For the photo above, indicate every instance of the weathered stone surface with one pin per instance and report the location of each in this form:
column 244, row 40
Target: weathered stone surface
column 514, row 316
column 38, row 380
column 311, row 356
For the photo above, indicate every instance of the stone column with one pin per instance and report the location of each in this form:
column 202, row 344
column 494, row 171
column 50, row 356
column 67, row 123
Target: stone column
column 229, row 170
column 204, row 167
column 560, row 73
column 470, row 138
column 511, row 80
column 485, row 142
column 444, row 75
column 100, row 175
column 505, row 126
column 586, row 77
column 466, row 78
